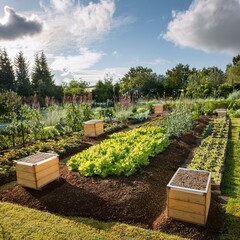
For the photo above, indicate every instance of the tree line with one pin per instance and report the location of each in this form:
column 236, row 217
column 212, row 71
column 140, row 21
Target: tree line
column 137, row 82
column 15, row 76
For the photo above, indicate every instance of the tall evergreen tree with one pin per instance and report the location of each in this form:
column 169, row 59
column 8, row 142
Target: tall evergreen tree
column 23, row 85
column 7, row 78
column 42, row 79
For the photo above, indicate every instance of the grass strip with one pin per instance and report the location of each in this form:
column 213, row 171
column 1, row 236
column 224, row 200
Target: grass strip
column 17, row 222
column 231, row 187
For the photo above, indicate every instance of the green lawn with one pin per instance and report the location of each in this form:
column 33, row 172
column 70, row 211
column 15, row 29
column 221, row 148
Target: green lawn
column 231, row 188
column 18, row 222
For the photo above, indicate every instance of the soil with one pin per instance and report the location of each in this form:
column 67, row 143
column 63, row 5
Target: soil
column 138, row 200
column 190, row 179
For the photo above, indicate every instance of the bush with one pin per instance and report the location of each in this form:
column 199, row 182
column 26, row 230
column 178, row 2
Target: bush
column 179, row 121
column 234, row 95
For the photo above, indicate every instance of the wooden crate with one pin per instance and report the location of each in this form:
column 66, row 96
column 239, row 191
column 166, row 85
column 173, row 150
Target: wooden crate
column 221, row 112
column 235, row 122
column 158, row 108
column 93, row 128
column 37, row 170
column 189, row 205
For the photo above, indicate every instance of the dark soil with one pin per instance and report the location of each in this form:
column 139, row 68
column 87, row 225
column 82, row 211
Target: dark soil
column 139, row 199
column 190, row 179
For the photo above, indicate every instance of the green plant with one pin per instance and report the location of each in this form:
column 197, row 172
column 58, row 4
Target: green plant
column 123, row 154
column 209, row 107
column 52, row 116
column 33, row 224
column 139, row 117
column 210, row 154
column 179, row 121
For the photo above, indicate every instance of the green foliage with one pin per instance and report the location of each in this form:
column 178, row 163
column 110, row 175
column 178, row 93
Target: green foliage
column 209, row 107
column 23, row 123
column 52, row 115
column 123, row 154
column 104, row 90
column 33, row 224
column 234, row 95
column 75, row 115
column 64, row 145
column 139, row 116
column 141, row 81
column 7, row 78
column 179, row 121
column 210, row 154
column 42, row 79
column 230, row 186
column 75, row 88
column 9, row 102
column 48, row 132
column 177, row 79
column 231, row 178
column 122, row 113
column 234, row 114
column 23, row 85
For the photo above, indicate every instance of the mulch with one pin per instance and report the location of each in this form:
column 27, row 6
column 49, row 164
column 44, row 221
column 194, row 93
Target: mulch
column 139, row 200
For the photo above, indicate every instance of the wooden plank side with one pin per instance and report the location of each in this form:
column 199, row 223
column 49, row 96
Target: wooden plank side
column 45, row 165
column 49, row 178
column 26, row 175
column 187, row 206
column 187, row 217
column 208, row 202
column 27, row 183
column 187, row 197
column 47, row 171
column 24, row 168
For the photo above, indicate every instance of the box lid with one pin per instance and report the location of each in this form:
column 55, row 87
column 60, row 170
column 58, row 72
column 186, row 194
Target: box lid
column 181, row 186
column 36, row 159
column 93, row 121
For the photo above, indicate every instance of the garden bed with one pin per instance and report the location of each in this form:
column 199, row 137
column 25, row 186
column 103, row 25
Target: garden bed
column 139, row 199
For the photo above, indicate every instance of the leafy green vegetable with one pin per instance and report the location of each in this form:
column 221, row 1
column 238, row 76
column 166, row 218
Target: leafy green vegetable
column 123, row 154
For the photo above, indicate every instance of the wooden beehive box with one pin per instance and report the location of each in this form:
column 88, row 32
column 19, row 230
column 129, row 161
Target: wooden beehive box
column 37, row 170
column 158, row 108
column 221, row 112
column 234, row 128
column 93, row 128
column 189, row 196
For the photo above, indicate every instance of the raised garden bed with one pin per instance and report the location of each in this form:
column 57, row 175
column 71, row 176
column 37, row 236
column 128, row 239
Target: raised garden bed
column 158, row 108
column 93, row 128
column 189, row 196
column 37, row 170
column 221, row 112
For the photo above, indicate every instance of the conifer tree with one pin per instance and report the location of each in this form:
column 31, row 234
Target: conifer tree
column 7, row 78
column 23, row 85
column 42, row 79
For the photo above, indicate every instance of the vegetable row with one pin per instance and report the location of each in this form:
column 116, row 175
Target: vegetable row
column 210, row 155
column 123, row 154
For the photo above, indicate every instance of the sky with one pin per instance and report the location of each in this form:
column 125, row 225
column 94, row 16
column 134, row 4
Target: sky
column 91, row 40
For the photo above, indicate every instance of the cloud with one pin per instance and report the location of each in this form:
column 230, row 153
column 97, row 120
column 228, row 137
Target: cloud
column 208, row 25
column 14, row 26
column 92, row 76
column 73, row 64
column 72, row 24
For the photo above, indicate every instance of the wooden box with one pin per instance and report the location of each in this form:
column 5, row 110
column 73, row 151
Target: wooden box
column 37, row 170
column 158, row 108
column 234, row 129
column 189, row 204
column 221, row 112
column 93, row 128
